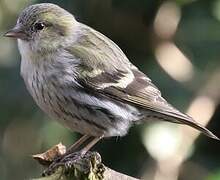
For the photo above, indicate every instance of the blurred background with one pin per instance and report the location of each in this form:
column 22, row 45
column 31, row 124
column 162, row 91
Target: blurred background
column 176, row 43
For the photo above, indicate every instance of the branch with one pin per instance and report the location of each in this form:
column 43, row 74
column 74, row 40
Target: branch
column 88, row 167
column 109, row 174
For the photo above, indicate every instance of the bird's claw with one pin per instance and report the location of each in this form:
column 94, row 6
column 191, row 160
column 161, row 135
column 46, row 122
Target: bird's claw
column 65, row 161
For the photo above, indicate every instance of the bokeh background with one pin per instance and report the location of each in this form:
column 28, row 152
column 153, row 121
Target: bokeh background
column 176, row 43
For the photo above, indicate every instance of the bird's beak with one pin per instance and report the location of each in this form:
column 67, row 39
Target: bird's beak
column 17, row 32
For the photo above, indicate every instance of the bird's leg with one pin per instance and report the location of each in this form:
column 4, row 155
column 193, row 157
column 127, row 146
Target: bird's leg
column 72, row 155
column 86, row 148
column 73, row 148
column 77, row 144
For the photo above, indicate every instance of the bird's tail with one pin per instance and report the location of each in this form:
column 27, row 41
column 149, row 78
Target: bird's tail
column 180, row 118
column 191, row 122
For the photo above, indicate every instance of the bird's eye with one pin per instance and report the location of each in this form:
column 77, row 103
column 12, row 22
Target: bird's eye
column 39, row 26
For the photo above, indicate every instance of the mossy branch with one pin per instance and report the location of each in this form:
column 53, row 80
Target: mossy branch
column 88, row 167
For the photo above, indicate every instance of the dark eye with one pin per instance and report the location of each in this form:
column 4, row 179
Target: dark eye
column 39, row 26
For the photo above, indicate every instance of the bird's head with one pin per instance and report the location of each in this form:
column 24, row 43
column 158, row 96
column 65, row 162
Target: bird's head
column 44, row 27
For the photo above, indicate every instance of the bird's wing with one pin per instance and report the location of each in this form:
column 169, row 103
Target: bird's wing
column 105, row 69
column 140, row 92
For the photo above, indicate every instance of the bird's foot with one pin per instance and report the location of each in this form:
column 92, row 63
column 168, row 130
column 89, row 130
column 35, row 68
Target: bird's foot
column 66, row 161
column 74, row 160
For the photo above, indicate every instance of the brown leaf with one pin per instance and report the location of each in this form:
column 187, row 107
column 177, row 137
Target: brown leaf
column 47, row 157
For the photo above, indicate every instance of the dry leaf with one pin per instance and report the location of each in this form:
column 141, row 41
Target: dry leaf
column 47, row 157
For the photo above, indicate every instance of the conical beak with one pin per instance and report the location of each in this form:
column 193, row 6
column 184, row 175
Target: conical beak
column 16, row 32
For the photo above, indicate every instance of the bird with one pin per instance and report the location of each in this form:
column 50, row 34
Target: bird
column 81, row 78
